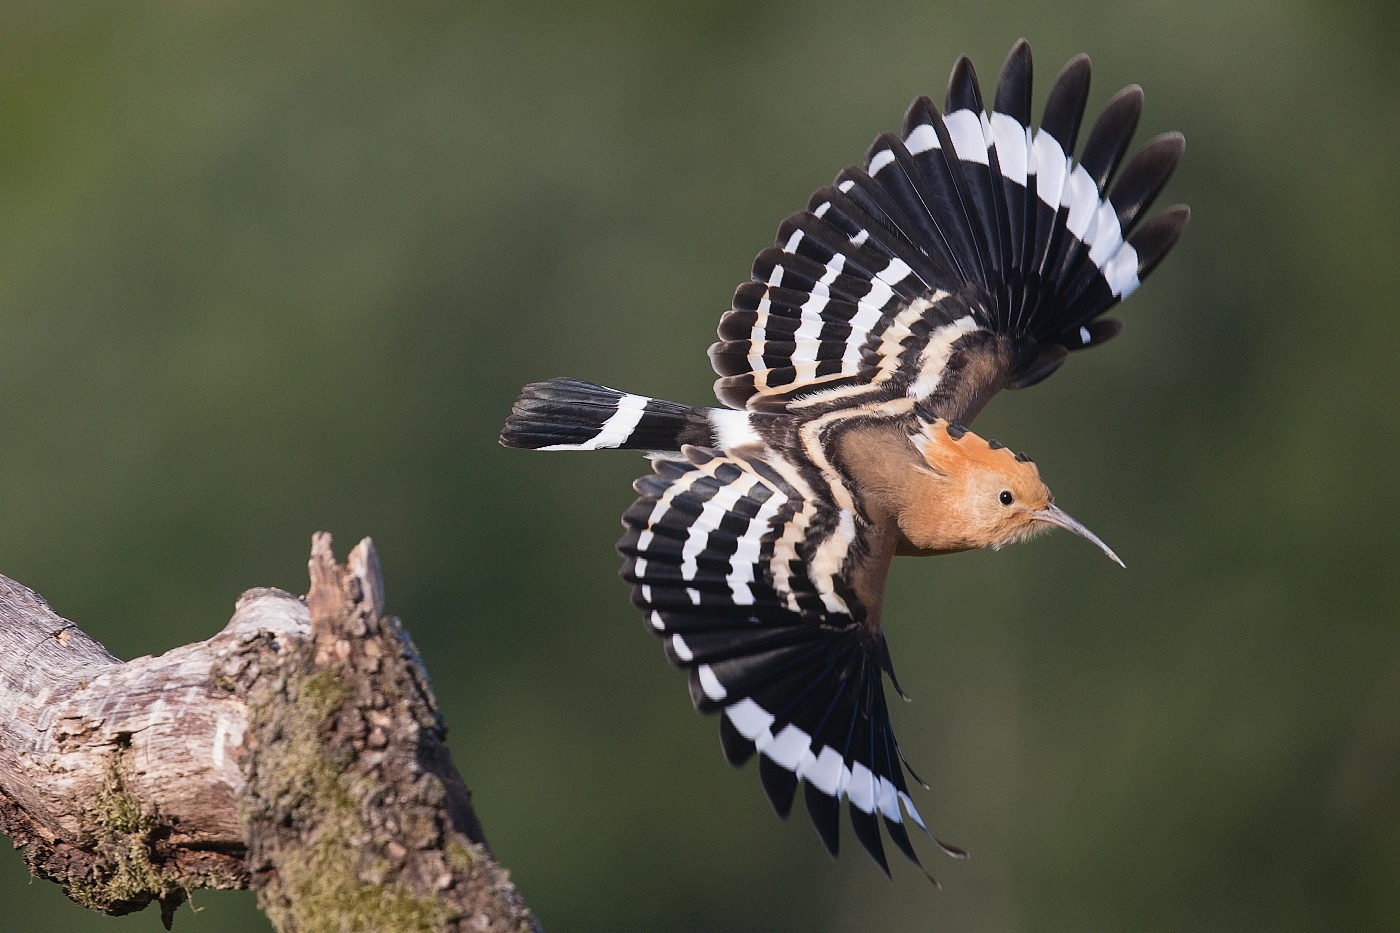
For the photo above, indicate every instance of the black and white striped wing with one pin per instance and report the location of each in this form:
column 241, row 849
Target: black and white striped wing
column 741, row 568
column 973, row 247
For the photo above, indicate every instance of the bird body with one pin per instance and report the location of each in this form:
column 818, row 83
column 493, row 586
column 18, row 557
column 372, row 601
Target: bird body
column 970, row 254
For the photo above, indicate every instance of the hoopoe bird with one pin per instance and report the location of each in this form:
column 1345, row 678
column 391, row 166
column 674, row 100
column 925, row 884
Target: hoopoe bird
column 971, row 254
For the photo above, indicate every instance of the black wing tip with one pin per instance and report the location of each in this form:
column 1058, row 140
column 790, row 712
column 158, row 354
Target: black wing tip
column 1064, row 106
column 737, row 749
column 921, row 110
column 867, row 831
column 1014, row 83
column 1157, row 235
column 825, row 813
column 1163, row 152
column 1144, row 177
column 1076, row 74
column 1177, row 138
column 963, row 89
column 1127, row 102
column 1111, row 134
column 1178, row 215
column 779, row 784
column 1125, row 108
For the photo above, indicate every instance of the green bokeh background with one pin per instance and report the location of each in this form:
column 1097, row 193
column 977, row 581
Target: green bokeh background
column 265, row 271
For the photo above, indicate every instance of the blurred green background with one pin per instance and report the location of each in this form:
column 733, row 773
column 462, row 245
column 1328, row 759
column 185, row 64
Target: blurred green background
column 265, row 271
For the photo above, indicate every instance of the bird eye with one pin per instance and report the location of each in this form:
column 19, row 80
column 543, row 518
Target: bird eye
column 1006, row 497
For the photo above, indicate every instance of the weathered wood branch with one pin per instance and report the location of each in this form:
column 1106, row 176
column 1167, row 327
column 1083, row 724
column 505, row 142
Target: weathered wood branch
column 300, row 751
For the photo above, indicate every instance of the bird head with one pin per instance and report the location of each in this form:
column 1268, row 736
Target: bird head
column 976, row 493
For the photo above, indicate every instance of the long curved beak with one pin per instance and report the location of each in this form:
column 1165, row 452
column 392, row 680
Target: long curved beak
column 1062, row 519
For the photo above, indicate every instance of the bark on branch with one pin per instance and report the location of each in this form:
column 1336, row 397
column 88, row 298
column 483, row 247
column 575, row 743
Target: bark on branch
column 300, row 751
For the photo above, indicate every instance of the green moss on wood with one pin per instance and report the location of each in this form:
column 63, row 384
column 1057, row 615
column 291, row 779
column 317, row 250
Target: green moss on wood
column 125, row 876
column 329, row 895
column 333, row 884
column 462, row 857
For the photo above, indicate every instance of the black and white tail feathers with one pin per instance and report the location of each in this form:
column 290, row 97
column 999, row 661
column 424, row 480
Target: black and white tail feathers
column 571, row 414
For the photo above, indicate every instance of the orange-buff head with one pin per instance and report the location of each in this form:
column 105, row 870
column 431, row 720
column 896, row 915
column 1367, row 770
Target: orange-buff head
column 972, row 493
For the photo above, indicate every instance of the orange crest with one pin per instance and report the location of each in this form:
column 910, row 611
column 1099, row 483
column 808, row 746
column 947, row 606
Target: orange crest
column 955, row 452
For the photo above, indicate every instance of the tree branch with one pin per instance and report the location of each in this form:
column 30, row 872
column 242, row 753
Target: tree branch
column 299, row 750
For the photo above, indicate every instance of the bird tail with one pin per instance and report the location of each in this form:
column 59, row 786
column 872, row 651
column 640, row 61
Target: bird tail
column 571, row 414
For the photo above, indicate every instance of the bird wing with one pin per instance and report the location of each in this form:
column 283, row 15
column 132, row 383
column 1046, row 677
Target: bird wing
column 741, row 562
column 970, row 254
